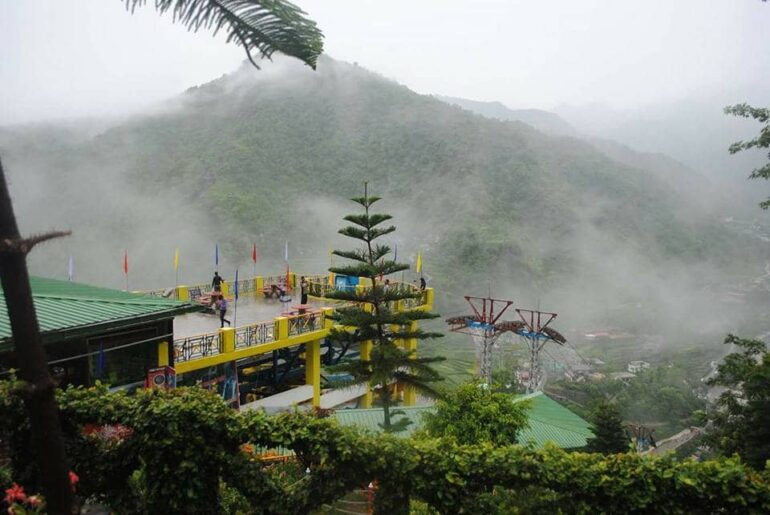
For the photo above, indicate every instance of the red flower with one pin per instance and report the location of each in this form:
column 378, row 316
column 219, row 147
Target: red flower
column 15, row 493
column 34, row 501
column 89, row 429
column 73, row 479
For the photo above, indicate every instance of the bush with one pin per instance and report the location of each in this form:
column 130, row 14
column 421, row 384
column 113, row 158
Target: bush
column 184, row 451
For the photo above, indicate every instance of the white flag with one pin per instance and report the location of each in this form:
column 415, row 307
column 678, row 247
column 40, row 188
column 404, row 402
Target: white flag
column 71, row 269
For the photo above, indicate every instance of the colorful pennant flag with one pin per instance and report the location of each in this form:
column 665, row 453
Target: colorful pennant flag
column 418, row 265
column 254, row 253
column 125, row 263
column 216, row 255
column 176, row 259
column 286, row 251
column 395, row 252
column 236, row 284
column 71, row 268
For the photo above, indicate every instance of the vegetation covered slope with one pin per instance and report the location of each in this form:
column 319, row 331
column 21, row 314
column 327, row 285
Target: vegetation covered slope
column 269, row 155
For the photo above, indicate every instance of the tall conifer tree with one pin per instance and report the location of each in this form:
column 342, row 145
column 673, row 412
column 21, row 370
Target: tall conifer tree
column 371, row 317
column 609, row 434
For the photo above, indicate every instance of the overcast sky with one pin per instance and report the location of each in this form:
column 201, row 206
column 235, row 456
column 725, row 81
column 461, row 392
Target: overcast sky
column 63, row 58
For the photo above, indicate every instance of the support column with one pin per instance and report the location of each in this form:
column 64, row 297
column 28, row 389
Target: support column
column 410, row 345
column 281, row 328
column 328, row 322
column 183, row 293
column 313, row 369
column 366, row 354
column 163, row 355
column 225, row 288
column 227, row 339
column 430, row 295
column 259, row 284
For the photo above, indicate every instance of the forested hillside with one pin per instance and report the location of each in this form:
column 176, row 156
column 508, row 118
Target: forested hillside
column 272, row 155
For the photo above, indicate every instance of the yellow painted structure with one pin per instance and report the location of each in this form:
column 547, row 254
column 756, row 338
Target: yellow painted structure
column 313, row 369
column 163, row 356
column 366, row 354
column 311, row 340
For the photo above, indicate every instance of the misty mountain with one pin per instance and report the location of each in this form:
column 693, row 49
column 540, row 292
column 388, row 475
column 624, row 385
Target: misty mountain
column 695, row 132
column 271, row 155
column 680, row 177
column 545, row 121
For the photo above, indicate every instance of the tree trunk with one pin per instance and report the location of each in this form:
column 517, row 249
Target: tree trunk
column 33, row 369
column 385, row 399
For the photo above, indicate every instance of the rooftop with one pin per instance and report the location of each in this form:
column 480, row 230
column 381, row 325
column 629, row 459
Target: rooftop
column 549, row 421
column 68, row 310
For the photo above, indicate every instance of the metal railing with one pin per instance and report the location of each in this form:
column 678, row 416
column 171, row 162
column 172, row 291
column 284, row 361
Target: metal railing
column 318, row 288
column 166, row 293
column 301, row 324
column 245, row 286
column 415, row 302
column 199, row 346
column 255, row 334
column 274, row 279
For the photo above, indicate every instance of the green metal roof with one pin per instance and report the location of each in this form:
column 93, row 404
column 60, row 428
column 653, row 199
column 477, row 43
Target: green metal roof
column 65, row 309
column 549, row 421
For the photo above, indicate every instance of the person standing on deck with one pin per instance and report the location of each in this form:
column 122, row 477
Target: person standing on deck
column 216, row 282
column 222, row 305
column 304, row 289
column 422, row 284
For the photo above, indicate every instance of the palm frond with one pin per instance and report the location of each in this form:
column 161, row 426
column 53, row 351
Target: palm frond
column 263, row 26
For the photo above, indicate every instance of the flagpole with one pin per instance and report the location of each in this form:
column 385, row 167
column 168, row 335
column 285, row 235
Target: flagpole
column 176, row 268
column 125, row 267
column 235, row 303
column 254, row 260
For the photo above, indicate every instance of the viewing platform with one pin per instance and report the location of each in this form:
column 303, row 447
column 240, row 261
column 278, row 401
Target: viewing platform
column 272, row 338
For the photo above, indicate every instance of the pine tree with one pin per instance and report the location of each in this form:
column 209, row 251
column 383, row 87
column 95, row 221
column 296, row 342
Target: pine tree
column 371, row 317
column 609, row 434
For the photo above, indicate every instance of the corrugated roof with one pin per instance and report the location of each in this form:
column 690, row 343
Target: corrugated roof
column 549, row 421
column 66, row 307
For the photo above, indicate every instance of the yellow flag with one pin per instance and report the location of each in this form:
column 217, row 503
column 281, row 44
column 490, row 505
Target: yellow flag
column 418, row 266
column 176, row 260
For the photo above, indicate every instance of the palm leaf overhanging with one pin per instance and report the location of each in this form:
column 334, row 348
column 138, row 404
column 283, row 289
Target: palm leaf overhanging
column 259, row 26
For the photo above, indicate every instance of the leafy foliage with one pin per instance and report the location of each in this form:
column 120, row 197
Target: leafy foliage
column 662, row 397
column 762, row 115
column 742, row 418
column 474, row 413
column 373, row 321
column 609, row 434
column 264, row 26
column 448, row 477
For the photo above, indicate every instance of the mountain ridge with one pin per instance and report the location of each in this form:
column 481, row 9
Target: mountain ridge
column 269, row 156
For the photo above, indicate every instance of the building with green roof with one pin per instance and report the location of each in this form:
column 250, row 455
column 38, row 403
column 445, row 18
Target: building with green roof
column 549, row 421
column 93, row 333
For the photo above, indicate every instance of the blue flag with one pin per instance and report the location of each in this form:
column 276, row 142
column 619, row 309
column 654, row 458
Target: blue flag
column 216, row 255
column 395, row 252
column 236, row 284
